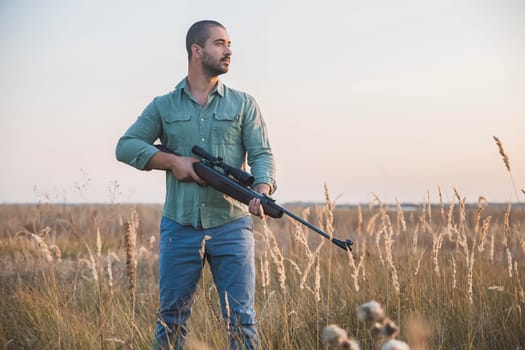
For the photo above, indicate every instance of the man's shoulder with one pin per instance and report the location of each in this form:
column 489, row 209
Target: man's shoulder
column 166, row 100
column 168, row 95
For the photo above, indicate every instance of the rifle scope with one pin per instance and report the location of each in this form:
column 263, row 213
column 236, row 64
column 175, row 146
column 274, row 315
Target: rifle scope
column 243, row 177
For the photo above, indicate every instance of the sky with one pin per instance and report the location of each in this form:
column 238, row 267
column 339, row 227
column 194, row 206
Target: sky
column 394, row 99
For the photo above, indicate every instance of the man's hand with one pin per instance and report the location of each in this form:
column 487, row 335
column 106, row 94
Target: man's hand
column 255, row 206
column 180, row 167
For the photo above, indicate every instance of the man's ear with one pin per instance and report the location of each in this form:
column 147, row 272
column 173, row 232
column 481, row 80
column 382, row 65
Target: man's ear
column 196, row 51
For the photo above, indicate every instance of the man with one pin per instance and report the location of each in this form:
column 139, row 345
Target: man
column 227, row 123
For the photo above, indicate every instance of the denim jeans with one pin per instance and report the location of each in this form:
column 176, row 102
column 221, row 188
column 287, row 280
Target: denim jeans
column 230, row 255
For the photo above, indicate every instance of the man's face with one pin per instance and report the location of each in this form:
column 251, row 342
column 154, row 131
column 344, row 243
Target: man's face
column 216, row 54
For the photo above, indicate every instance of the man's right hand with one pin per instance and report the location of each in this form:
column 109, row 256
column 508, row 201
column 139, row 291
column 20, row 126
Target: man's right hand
column 180, row 167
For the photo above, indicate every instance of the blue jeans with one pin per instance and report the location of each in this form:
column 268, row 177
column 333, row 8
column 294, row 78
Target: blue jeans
column 230, row 254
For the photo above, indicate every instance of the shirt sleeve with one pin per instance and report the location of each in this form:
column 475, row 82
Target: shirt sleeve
column 135, row 147
column 255, row 139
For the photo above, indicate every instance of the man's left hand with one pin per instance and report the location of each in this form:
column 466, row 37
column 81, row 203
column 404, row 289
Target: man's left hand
column 255, row 206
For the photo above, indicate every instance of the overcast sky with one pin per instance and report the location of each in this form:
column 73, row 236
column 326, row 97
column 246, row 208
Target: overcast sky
column 395, row 98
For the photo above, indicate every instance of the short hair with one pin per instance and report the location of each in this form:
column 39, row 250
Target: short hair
column 198, row 33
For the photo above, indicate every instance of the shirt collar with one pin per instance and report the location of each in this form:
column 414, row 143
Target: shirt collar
column 183, row 85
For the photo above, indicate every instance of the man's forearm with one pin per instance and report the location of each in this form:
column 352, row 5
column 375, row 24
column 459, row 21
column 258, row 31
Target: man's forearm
column 161, row 161
column 180, row 167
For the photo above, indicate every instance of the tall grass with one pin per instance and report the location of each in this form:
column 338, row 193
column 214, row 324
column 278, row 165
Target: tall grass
column 70, row 278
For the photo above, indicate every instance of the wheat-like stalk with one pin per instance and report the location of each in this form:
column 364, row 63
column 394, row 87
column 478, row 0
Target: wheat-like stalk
column 355, row 270
column 131, row 264
column 309, row 265
column 371, row 224
column 265, row 271
column 454, row 273
column 359, row 220
column 418, row 265
column 502, row 153
column 39, row 242
column 361, row 264
column 506, row 226
column 506, row 161
column 400, row 219
column 295, row 266
column 521, row 292
column 228, row 311
column 509, row 261
column 388, row 233
column 110, row 272
column 276, row 255
column 470, row 266
column 437, row 242
column 131, row 255
column 492, row 242
column 483, row 235
column 300, row 236
column 482, row 203
column 202, row 250
column 317, row 285
column 415, row 238
column 99, row 244
column 378, row 246
column 329, row 213
column 462, row 242
column 462, row 210
column 450, row 219
column 497, row 288
column 209, row 303
column 441, row 205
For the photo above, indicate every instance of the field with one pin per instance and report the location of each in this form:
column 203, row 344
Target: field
column 450, row 275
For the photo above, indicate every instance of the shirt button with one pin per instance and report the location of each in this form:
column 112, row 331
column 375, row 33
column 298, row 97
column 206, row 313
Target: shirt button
column 203, row 139
column 203, row 205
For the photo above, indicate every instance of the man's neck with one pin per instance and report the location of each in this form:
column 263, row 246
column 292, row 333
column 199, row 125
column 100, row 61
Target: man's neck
column 201, row 86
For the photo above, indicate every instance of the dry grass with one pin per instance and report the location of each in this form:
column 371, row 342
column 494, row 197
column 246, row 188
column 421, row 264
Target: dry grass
column 71, row 279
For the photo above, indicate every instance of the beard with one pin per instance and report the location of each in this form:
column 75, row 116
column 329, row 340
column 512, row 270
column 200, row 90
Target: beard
column 212, row 66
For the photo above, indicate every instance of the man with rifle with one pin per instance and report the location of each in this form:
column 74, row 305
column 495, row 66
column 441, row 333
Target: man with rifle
column 225, row 122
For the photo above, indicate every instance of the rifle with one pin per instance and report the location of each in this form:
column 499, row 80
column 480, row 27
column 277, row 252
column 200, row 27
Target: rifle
column 236, row 183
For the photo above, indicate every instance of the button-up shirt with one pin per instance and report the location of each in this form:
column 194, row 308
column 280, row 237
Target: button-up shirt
column 229, row 126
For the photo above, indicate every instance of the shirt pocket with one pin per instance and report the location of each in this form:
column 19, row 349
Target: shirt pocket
column 178, row 129
column 226, row 128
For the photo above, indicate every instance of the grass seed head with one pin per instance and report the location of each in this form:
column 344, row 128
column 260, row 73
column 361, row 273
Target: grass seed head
column 394, row 344
column 370, row 312
column 334, row 336
column 502, row 153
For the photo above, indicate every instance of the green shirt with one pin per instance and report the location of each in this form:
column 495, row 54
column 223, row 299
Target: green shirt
column 230, row 126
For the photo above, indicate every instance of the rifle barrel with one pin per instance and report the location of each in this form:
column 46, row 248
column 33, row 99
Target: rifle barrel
column 346, row 244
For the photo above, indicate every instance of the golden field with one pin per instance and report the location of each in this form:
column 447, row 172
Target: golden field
column 450, row 275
